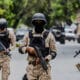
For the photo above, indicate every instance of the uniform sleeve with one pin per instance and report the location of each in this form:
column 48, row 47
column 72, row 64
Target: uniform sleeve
column 52, row 43
column 25, row 43
column 13, row 40
column 52, row 46
column 25, row 39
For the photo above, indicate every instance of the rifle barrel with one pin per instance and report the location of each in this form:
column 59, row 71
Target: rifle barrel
column 77, row 53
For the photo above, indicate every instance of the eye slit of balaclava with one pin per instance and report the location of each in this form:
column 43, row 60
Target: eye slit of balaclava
column 3, row 26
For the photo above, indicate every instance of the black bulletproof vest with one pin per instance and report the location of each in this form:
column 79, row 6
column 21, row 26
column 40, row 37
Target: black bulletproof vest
column 40, row 42
column 4, row 39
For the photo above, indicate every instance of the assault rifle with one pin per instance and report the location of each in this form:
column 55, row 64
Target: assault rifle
column 42, row 60
column 3, row 48
column 77, row 53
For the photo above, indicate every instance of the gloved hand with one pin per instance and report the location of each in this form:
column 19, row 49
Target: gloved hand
column 20, row 50
column 51, row 56
column 37, row 61
column 48, row 58
column 6, row 51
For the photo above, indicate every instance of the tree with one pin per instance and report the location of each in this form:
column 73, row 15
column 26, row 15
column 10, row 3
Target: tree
column 21, row 11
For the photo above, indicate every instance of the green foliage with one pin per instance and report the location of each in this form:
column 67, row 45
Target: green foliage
column 21, row 11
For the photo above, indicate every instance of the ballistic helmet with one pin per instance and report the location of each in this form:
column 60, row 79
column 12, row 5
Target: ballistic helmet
column 3, row 23
column 39, row 19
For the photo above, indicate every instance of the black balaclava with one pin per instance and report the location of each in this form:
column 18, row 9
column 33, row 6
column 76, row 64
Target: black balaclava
column 39, row 29
column 39, row 26
column 4, row 33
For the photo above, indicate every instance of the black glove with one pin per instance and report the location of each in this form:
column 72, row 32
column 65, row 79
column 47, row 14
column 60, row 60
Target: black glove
column 53, row 54
column 25, row 77
column 20, row 50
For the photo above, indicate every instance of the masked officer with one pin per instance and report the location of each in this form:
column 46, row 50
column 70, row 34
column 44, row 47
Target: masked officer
column 45, row 41
column 7, row 43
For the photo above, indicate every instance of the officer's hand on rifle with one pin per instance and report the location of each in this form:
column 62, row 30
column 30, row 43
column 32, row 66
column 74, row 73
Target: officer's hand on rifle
column 46, row 59
column 37, row 60
column 6, row 51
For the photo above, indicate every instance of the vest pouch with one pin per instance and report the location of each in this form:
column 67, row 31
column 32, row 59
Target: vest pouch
column 37, row 41
column 40, row 42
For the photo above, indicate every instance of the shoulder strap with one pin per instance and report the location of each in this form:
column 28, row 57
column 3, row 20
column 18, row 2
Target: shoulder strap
column 8, row 32
column 45, row 34
column 30, row 34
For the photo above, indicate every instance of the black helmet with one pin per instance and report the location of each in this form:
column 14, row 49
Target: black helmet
column 3, row 23
column 39, row 18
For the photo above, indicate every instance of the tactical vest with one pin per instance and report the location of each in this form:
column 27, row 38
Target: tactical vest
column 40, row 42
column 5, row 40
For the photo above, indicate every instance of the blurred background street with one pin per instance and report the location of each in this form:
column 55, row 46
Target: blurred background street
column 63, row 67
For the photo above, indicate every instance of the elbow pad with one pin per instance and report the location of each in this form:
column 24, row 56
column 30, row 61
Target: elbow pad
column 53, row 54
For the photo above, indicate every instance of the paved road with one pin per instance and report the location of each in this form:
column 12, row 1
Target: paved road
column 63, row 67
